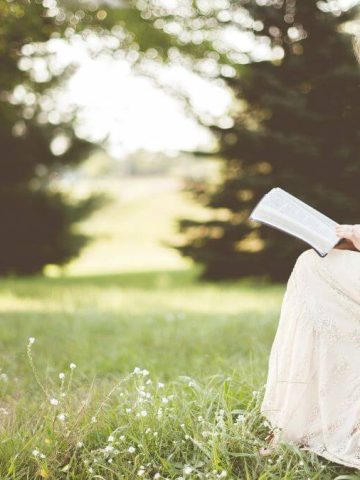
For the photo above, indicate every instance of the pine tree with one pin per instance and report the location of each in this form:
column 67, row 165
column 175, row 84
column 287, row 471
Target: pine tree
column 37, row 224
column 299, row 131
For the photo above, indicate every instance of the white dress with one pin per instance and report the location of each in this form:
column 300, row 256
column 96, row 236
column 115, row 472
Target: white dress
column 312, row 393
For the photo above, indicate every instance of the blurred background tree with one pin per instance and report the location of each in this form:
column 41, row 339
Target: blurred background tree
column 296, row 126
column 37, row 135
column 36, row 142
column 294, row 121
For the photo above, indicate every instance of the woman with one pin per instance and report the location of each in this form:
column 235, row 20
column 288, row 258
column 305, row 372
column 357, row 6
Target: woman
column 312, row 394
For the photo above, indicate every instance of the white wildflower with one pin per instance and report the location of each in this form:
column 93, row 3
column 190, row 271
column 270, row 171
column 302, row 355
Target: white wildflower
column 61, row 417
column 72, row 366
column 54, row 401
column 187, row 470
column 35, row 452
column 31, row 340
column 157, row 475
column 128, row 410
column 165, row 400
column 4, row 377
column 141, row 472
column 61, row 375
column 111, row 438
column 160, row 385
column 79, row 444
column 240, row 418
column 137, row 370
column 222, row 474
column 93, row 420
column 143, row 413
column 131, row 449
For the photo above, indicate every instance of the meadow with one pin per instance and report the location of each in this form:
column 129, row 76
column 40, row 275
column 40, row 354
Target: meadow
column 140, row 374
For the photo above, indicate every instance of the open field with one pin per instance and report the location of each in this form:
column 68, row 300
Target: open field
column 139, row 374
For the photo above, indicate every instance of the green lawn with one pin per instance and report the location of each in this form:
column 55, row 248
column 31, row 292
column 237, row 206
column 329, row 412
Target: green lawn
column 207, row 343
column 167, row 374
column 162, row 321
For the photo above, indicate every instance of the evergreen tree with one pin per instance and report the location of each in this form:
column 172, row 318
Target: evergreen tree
column 299, row 130
column 37, row 223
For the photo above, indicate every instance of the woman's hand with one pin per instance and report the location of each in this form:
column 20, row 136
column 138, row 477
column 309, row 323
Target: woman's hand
column 351, row 234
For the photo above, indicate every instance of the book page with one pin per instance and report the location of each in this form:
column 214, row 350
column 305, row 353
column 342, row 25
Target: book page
column 284, row 211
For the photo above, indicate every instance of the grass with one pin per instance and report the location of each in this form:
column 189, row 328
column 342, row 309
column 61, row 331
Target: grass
column 148, row 374
column 168, row 379
column 163, row 321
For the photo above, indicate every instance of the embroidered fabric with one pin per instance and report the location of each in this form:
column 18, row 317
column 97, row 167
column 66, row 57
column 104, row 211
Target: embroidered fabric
column 312, row 393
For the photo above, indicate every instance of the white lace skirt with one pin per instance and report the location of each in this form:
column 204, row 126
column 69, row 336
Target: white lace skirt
column 312, row 393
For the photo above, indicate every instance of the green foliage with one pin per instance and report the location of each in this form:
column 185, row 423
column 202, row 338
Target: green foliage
column 37, row 222
column 299, row 130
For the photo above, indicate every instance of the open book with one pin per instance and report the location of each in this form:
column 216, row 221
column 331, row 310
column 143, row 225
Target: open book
column 285, row 212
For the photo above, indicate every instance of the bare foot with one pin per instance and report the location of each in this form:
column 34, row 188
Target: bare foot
column 266, row 451
column 271, row 448
column 351, row 233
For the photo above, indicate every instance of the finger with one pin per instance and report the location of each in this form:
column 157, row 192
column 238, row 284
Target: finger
column 346, row 233
column 345, row 227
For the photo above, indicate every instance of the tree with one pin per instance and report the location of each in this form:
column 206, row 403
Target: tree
column 37, row 140
column 36, row 223
column 299, row 130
